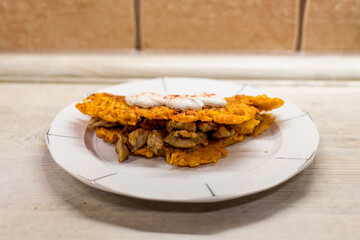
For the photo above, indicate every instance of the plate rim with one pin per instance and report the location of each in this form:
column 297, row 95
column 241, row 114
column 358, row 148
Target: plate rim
column 211, row 198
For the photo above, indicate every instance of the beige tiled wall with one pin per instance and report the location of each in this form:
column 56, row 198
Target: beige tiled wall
column 219, row 24
column 332, row 26
column 66, row 24
column 241, row 25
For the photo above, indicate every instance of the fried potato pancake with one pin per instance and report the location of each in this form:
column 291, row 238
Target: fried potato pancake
column 239, row 109
column 194, row 157
column 108, row 134
column 162, row 131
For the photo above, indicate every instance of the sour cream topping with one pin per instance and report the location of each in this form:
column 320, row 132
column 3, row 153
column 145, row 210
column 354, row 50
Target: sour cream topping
column 145, row 100
column 212, row 100
column 181, row 102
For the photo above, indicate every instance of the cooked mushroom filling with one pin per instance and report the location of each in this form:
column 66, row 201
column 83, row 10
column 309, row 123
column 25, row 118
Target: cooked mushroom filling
column 138, row 138
column 157, row 136
column 155, row 142
column 172, row 125
column 98, row 122
column 122, row 149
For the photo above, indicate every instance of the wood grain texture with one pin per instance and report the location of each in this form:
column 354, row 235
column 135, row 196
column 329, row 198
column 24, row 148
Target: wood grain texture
column 65, row 25
column 219, row 24
column 332, row 26
column 39, row 200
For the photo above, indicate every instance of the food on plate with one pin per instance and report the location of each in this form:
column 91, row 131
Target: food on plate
column 187, row 130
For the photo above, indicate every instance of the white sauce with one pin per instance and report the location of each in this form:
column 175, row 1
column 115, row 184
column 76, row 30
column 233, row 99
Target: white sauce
column 194, row 102
column 145, row 100
column 213, row 100
column 184, row 102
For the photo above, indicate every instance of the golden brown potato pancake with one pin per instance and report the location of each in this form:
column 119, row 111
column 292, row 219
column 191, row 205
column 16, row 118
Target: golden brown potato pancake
column 184, row 138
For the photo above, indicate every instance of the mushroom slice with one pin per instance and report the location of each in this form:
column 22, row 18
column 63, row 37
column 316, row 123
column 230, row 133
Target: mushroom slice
column 97, row 122
column 179, row 142
column 201, row 138
column 206, row 126
column 155, row 142
column 185, row 134
column 189, row 126
column 138, row 138
column 122, row 149
column 223, row 131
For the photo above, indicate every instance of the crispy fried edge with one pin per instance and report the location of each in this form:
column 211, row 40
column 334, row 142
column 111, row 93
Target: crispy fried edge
column 239, row 109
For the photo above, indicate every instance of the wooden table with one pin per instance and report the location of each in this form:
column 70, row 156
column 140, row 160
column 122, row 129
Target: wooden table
column 39, row 200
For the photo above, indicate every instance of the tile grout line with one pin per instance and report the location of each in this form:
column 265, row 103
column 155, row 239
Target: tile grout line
column 137, row 25
column 302, row 7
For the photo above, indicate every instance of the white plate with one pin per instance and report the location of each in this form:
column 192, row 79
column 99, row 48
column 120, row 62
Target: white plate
column 253, row 165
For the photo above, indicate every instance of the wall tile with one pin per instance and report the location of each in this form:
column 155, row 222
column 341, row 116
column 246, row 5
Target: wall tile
column 219, row 24
column 332, row 26
column 66, row 24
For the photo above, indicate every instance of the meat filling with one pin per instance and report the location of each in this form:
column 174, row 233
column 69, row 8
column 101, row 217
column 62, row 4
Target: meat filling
column 159, row 137
column 138, row 138
column 223, row 131
column 189, row 126
column 98, row 122
column 185, row 134
column 179, row 142
column 206, row 126
column 122, row 149
column 186, row 139
column 155, row 142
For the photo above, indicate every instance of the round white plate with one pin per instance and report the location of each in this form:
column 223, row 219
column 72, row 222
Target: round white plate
column 253, row 165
